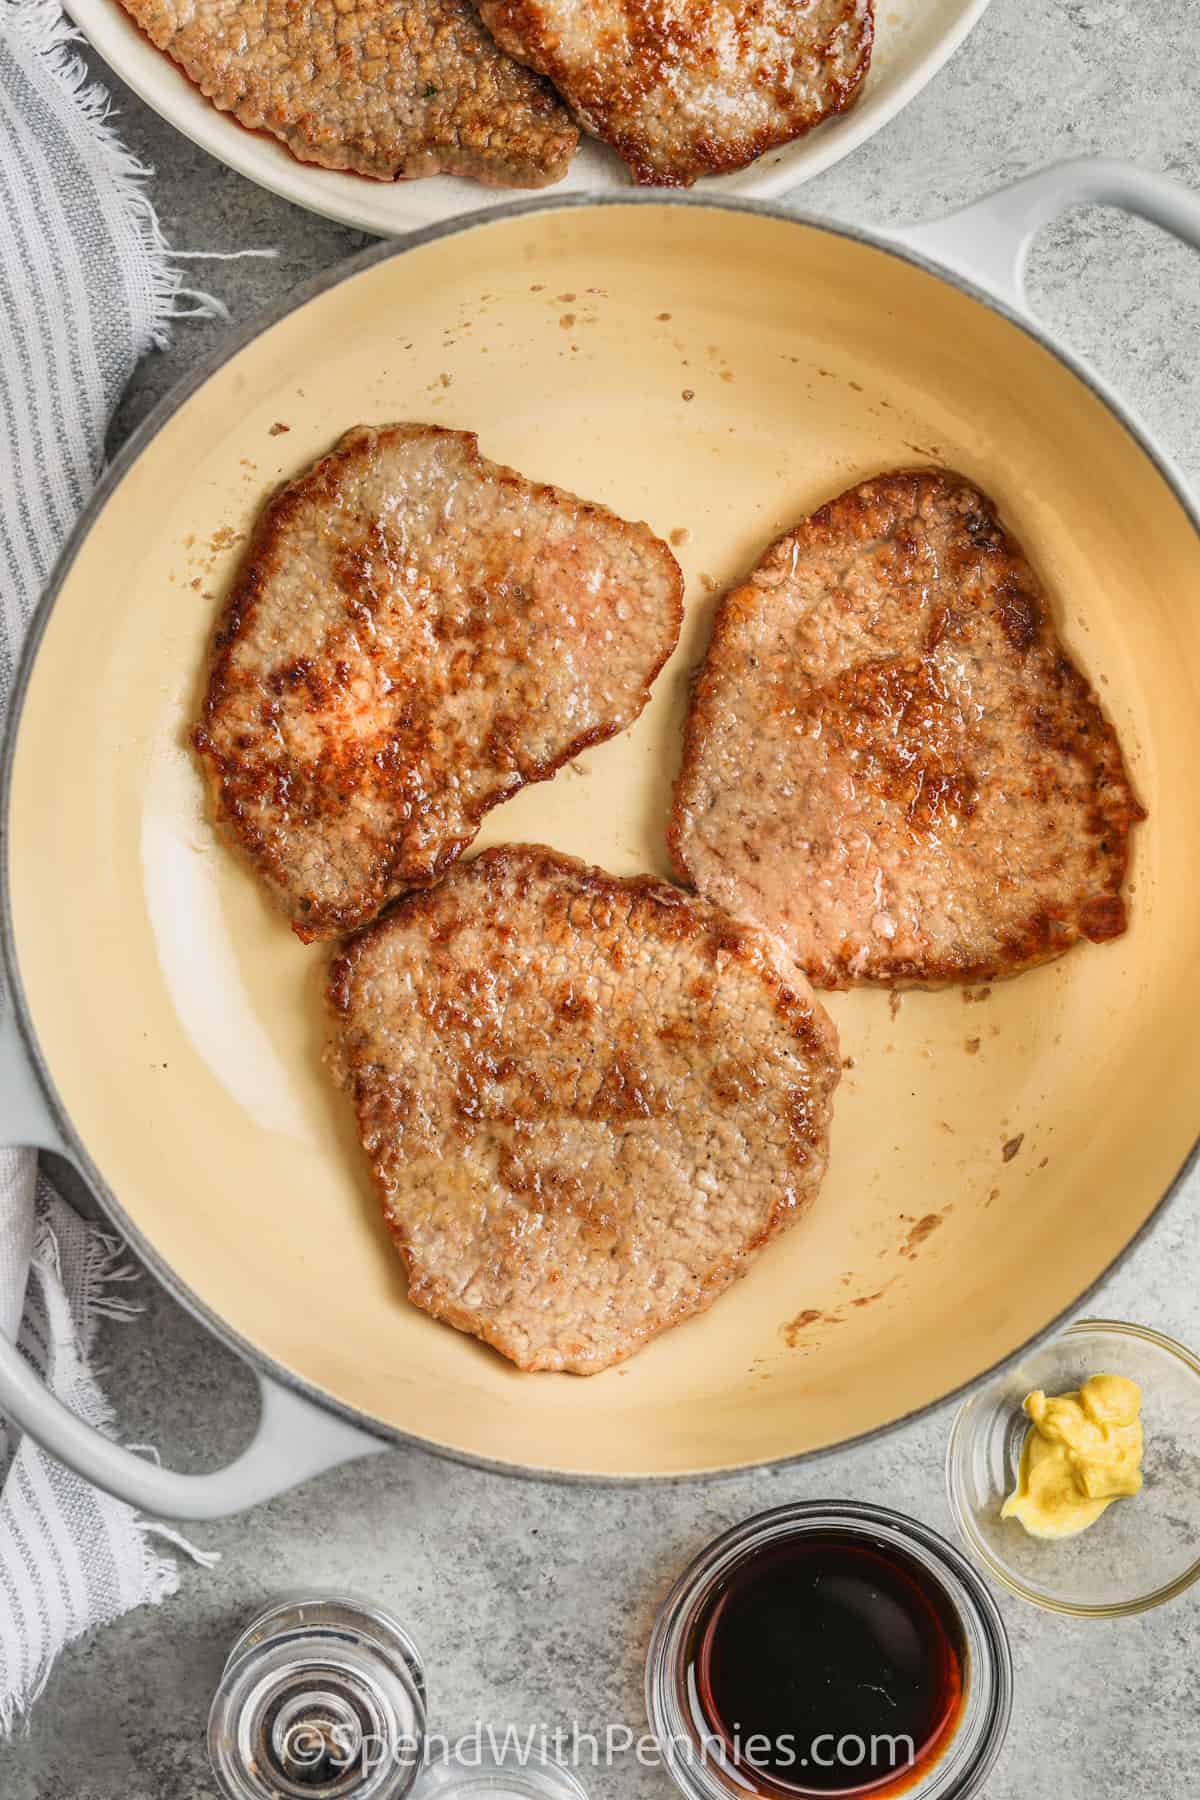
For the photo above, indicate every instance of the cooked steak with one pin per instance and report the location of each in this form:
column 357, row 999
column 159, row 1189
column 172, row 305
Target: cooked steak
column 415, row 634
column 684, row 88
column 890, row 760
column 586, row 1101
column 387, row 88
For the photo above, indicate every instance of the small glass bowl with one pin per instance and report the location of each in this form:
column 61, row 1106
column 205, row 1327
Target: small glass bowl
column 323, row 1697
column 499, row 1775
column 961, row 1767
column 1142, row 1550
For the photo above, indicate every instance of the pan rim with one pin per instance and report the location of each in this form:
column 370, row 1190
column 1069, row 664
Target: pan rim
column 138, row 442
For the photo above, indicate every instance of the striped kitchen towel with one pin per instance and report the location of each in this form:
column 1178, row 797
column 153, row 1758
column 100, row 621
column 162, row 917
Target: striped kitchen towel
column 86, row 286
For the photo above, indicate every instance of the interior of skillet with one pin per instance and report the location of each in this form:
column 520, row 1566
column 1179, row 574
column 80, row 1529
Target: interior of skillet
column 719, row 374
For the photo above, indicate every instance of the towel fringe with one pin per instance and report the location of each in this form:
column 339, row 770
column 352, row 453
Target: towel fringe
column 106, row 1261
column 206, row 1559
column 220, row 255
column 71, row 1376
column 54, row 38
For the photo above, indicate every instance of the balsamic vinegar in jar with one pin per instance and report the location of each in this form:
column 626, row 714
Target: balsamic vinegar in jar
column 827, row 1665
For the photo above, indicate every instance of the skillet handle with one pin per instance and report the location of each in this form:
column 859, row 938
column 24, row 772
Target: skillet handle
column 295, row 1439
column 989, row 241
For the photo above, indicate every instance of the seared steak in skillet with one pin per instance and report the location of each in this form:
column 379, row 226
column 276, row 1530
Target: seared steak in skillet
column 417, row 633
column 891, row 761
column 586, row 1101
column 684, row 88
column 387, row 88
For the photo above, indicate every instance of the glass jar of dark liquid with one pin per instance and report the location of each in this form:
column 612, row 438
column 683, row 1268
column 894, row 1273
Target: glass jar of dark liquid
column 825, row 1650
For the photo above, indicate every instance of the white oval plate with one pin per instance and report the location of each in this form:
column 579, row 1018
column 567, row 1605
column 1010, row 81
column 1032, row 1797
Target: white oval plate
column 913, row 40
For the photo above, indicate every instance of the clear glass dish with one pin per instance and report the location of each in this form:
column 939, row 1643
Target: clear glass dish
column 960, row 1768
column 323, row 1697
column 1141, row 1551
column 499, row 1775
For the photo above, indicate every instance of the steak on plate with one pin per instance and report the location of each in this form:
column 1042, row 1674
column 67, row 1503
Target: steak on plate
column 386, row 88
column 415, row 634
column 891, row 761
column 586, row 1102
column 684, row 88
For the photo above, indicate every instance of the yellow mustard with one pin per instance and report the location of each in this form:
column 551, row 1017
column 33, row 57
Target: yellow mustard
column 1082, row 1451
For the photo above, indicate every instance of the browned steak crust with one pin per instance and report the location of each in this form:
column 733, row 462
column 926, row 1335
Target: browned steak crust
column 415, row 634
column 387, row 88
column 586, row 1101
column 684, row 88
column 889, row 759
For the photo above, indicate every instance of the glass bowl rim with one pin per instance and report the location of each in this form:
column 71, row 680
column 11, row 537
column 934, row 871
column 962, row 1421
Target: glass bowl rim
column 806, row 1516
column 964, row 1524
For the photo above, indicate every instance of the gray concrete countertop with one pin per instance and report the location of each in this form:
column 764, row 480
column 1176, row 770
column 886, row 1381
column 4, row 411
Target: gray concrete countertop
column 533, row 1603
